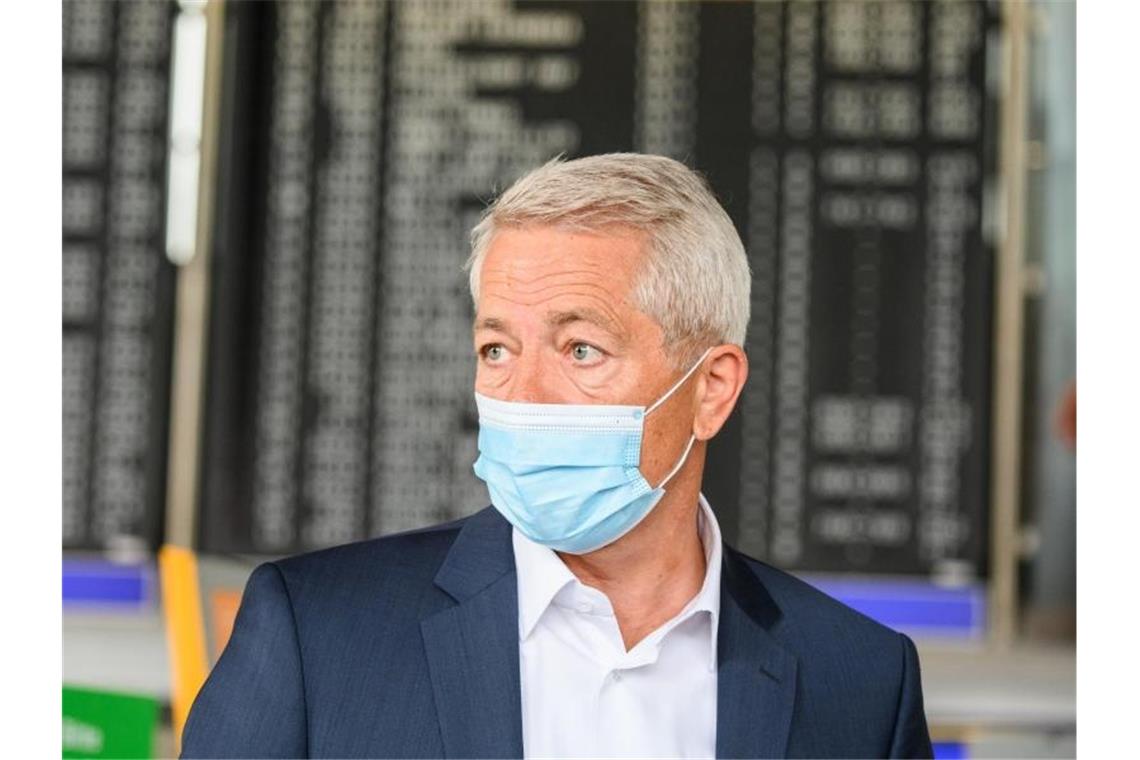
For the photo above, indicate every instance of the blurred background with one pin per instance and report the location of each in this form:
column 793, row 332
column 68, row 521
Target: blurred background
column 266, row 336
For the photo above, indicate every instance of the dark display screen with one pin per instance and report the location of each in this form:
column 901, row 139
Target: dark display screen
column 117, row 284
column 847, row 140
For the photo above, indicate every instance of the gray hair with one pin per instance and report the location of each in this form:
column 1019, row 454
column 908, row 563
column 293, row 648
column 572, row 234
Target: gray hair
column 695, row 281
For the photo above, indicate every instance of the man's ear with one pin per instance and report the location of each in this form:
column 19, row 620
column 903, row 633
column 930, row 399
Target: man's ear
column 720, row 384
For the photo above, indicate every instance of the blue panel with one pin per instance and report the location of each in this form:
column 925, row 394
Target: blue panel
column 950, row 751
column 93, row 582
column 912, row 606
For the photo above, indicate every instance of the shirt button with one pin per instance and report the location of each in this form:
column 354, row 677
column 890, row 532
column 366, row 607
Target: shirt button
column 615, row 676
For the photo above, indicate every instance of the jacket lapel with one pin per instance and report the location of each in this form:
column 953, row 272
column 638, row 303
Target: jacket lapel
column 756, row 677
column 473, row 647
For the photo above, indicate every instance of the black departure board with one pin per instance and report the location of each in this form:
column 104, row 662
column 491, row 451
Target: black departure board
column 117, row 284
column 860, row 159
column 849, row 142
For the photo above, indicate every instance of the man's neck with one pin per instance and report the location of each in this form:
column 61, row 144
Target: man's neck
column 652, row 572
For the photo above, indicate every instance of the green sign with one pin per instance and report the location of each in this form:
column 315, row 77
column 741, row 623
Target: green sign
column 107, row 724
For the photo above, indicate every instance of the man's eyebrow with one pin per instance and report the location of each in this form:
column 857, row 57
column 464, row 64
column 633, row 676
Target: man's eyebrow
column 490, row 323
column 556, row 319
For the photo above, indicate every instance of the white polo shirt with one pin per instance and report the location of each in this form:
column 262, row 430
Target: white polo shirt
column 584, row 695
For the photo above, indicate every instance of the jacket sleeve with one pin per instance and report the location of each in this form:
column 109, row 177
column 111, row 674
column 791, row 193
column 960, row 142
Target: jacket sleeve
column 911, row 738
column 253, row 703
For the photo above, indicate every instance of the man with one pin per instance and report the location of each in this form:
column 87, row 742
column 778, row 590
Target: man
column 592, row 610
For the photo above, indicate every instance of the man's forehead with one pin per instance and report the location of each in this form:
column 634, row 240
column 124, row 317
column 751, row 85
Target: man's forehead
column 560, row 276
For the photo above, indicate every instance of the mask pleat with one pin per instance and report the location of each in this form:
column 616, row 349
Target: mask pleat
column 559, row 483
column 519, row 448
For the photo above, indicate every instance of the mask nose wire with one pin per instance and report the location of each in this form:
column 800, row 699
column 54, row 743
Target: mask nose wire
column 679, row 383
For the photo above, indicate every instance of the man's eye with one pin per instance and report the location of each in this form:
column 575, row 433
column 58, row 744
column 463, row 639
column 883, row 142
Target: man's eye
column 584, row 352
column 492, row 352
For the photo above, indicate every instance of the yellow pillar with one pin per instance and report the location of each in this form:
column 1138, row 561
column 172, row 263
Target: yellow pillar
column 185, row 632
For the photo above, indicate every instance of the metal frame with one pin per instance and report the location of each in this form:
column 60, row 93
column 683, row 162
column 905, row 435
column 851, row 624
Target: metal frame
column 1008, row 336
column 193, row 314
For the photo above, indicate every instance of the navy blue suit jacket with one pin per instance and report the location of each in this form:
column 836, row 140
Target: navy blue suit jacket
column 407, row 646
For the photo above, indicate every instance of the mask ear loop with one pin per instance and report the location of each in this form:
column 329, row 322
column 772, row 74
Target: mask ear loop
column 679, row 383
column 692, row 438
column 680, row 462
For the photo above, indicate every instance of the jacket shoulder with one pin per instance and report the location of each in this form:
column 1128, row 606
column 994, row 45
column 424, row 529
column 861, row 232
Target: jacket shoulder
column 395, row 567
column 854, row 675
column 810, row 619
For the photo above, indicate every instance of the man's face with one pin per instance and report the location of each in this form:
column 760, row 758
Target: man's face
column 555, row 323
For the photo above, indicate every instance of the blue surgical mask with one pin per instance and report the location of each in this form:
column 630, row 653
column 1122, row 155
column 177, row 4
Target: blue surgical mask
column 566, row 475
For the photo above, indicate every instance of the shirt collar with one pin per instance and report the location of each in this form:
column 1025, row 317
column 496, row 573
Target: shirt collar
column 542, row 574
column 708, row 598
